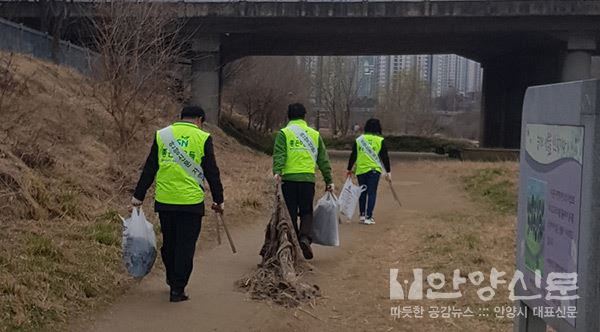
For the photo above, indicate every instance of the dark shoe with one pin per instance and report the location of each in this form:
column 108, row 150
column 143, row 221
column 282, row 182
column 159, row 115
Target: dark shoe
column 178, row 297
column 306, row 250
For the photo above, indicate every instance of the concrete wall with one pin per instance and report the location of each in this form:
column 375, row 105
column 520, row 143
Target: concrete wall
column 596, row 67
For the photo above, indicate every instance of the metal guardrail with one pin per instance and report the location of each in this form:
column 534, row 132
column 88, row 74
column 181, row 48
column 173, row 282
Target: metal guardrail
column 20, row 39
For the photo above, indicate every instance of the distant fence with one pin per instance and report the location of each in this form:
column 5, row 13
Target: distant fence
column 20, row 39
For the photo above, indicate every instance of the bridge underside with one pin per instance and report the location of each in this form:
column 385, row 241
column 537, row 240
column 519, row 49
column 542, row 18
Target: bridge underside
column 514, row 53
column 518, row 43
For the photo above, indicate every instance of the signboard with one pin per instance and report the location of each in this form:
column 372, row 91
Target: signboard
column 552, row 172
column 556, row 227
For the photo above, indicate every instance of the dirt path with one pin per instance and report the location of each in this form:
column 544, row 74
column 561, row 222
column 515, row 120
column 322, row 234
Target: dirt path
column 354, row 278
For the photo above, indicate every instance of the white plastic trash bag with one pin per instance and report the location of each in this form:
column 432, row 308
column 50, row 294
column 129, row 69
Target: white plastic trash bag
column 139, row 244
column 325, row 221
column 349, row 198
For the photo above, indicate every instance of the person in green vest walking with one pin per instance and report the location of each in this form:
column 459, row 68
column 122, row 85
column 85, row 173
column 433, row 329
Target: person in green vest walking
column 370, row 156
column 179, row 195
column 298, row 150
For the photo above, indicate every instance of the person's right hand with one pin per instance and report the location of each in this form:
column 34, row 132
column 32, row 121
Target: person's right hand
column 218, row 208
column 349, row 173
column 277, row 178
column 135, row 202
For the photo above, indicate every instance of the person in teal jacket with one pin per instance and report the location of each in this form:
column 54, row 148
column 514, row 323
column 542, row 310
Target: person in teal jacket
column 298, row 151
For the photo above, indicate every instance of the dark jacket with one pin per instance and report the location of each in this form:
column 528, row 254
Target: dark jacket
column 211, row 173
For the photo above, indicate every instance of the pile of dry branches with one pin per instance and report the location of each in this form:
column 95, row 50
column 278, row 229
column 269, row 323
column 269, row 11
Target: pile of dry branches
column 278, row 277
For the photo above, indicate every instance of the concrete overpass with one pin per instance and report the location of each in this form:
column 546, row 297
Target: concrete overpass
column 518, row 43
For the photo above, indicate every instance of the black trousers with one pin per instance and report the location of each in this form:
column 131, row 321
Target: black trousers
column 180, row 232
column 299, row 197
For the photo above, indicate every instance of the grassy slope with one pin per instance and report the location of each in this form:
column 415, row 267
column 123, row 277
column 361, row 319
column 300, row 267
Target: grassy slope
column 479, row 237
column 235, row 125
column 62, row 189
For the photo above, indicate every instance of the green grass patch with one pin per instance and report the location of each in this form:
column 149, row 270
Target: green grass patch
column 68, row 203
column 254, row 139
column 42, row 247
column 405, row 144
column 495, row 186
column 107, row 228
column 264, row 142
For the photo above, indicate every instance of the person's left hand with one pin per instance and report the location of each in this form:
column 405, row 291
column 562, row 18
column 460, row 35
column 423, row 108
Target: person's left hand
column 388, row 177
column 330, row 187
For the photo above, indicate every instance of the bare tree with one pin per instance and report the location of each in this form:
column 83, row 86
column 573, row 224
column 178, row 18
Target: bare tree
column 407, row 108
column 12, row 88
column 54, row 21
column 233, row 75
column 140, row 44
column 339, row 90
column 262, row 88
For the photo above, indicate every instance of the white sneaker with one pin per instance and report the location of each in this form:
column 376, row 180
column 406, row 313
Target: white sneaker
column 369, row 221
column 362, row 219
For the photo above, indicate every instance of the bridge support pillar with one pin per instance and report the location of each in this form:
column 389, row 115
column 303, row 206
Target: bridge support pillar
column 578, row 61
column 503, row 91
column 504, row 83
column 206, row 75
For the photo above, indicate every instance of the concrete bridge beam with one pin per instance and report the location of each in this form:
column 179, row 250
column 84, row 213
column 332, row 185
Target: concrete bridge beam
column 578, row 61
column 206, row 75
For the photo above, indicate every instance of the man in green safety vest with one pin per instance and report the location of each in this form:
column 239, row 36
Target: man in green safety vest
column 181, row 157
column 298, row 150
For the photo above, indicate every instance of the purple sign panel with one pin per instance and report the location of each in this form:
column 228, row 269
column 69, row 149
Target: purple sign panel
column 549, row 212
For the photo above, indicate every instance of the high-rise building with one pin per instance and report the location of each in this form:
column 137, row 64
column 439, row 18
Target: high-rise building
column 474, row 77
column 442, row 72
column 382, row 74
column 424, row 65
column 439, row 75
column 366, row 76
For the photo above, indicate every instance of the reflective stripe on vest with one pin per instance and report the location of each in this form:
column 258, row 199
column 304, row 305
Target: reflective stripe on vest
column 364, row 162
column 173, row 183
column 189, row 165
column 299, row 159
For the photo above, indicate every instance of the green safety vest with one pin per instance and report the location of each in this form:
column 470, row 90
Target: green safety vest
column 173, row 184
column 364, row 163
column 299, row 159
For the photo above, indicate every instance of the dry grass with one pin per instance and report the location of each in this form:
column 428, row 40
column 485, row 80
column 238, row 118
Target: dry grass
column 478, row 237
column 444, row 225
column 62, row 187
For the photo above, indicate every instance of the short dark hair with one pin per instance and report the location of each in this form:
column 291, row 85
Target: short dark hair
column 193, row 112
column 296, row 111
column 373, row 126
